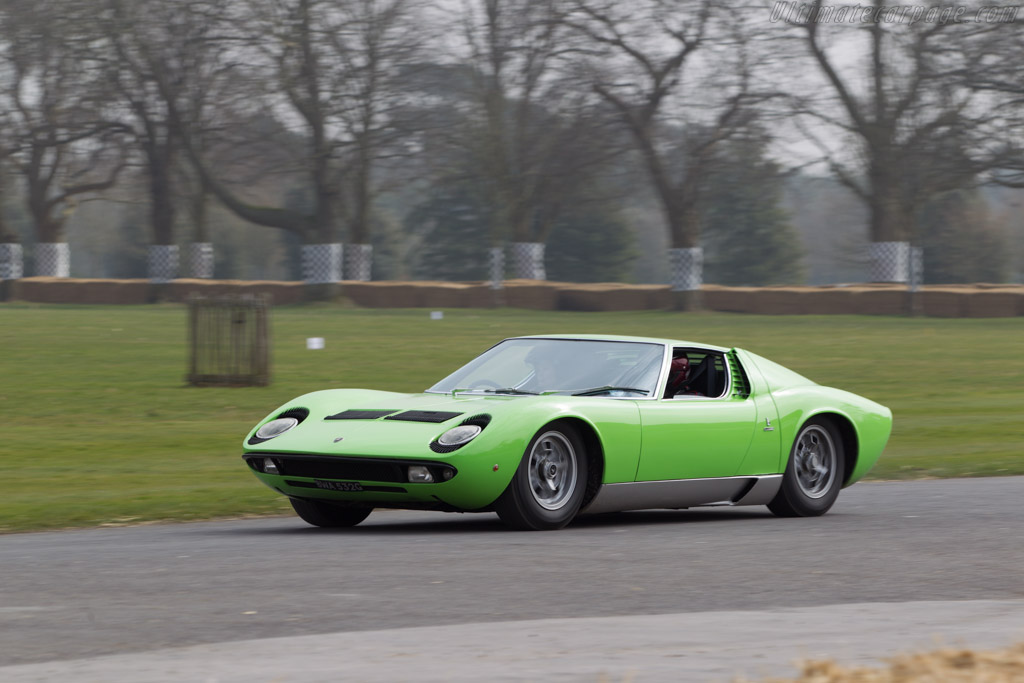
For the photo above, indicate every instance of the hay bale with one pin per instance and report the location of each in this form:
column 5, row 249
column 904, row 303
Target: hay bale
column 609, row 296
column 55, row 290
column 994, row 303
column 82, row 291
column 480, row 296
column 383, row 294
column 280, row 293
column 439, row 295
column 442, row 294
column 38, row 290
column 943, row 302
column 659, row 297
column 730, row 299
column 779, row 300
column 362, row 294
column 123, row 292
column 532, row 294
column 826, row 300
column 879, row 300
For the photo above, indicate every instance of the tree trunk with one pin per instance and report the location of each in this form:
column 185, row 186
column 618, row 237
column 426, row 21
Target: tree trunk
column 888, row 223
column 200, row 206
column 687, row 273
column 161, row 197
column 686, row 257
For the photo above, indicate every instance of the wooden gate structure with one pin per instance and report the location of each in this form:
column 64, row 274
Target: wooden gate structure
column 229, row 338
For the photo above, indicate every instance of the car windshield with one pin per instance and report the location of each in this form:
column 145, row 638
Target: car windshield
column 537, row 366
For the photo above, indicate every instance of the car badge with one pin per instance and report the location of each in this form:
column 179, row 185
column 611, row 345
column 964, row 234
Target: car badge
column 338, row 439
column 768, row 425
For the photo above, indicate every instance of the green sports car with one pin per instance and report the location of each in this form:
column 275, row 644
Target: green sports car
column 542, row 429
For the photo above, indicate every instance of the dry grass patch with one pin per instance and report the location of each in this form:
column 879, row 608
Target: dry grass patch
column 949, row 665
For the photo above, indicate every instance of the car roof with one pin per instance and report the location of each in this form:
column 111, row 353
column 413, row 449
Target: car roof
column 624, row 338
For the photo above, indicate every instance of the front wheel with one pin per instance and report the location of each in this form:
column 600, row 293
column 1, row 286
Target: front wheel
column 548, row 487
column 814, row 473
column 319, row 513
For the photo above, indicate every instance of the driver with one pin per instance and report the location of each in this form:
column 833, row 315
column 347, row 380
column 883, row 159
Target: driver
column 549, row 364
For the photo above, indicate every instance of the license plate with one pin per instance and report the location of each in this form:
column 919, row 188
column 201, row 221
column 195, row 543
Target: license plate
column 338, row 485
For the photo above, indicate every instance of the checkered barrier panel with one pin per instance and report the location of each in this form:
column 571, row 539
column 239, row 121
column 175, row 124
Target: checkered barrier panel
column 359, row 262
column 528, row 260
column 686, row 267
column 163, row 262
column 890, row 261
column 11, row 261
column 916, row 267
column 199, row 260
column 53, row 259
column 321, row 263
column 497, row 267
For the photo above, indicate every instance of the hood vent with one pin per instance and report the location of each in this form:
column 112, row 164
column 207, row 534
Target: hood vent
column 360, row 415
column 435, row 416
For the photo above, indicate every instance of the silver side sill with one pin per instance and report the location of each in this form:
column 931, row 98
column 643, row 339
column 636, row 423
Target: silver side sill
column 685, row 493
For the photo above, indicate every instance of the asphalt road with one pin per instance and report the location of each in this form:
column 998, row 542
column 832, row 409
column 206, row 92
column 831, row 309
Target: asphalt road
column 81, row 594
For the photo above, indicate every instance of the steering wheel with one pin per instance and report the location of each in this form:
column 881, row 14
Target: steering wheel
column 485, row 384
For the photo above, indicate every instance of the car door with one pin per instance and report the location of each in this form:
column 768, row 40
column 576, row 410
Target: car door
column 697, row 436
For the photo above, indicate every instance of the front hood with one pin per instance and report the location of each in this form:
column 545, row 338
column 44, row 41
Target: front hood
column 357, row 422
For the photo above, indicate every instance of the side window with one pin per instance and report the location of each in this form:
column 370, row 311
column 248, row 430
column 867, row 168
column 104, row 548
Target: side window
column 697, row 373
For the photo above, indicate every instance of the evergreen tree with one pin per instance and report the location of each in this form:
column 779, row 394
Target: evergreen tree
column 453, row 228
column 590, row 245
column 748, row 237
column 589, row 242
column 961, row 242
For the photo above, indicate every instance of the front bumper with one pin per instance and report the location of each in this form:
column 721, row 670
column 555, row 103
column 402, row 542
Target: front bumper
column 381, row 482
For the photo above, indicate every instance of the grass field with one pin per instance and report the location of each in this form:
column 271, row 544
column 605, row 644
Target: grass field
column 100, row 428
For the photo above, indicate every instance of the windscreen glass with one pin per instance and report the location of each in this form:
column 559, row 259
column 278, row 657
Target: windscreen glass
column 538, row 366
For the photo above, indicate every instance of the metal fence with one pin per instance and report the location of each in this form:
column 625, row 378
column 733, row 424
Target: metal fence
column 229, row 341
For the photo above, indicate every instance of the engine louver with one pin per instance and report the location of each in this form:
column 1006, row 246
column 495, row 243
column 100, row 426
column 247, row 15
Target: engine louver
column 740, row 384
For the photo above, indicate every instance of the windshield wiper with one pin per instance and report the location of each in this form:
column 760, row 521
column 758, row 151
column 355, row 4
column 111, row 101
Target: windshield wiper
column 607, row 389
column 510, row 390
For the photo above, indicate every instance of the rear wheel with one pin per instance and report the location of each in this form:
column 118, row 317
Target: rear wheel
column 814, row 473
column 548, row 487
column 320, row 513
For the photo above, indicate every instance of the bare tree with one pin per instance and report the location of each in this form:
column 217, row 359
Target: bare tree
column 165, row 61
column 682, row 82
column 528, row 136
column 57, row 137
column 141, row 66
column 918, row 125
column 996, row 53
column 328, row 67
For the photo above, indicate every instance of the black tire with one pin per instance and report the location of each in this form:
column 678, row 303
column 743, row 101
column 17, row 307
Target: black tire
column 814, row 473
column 548, row 487
column 320, row 513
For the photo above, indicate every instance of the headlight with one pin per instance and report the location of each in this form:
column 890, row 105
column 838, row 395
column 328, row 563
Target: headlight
column 276, row 427
column 457, row 436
